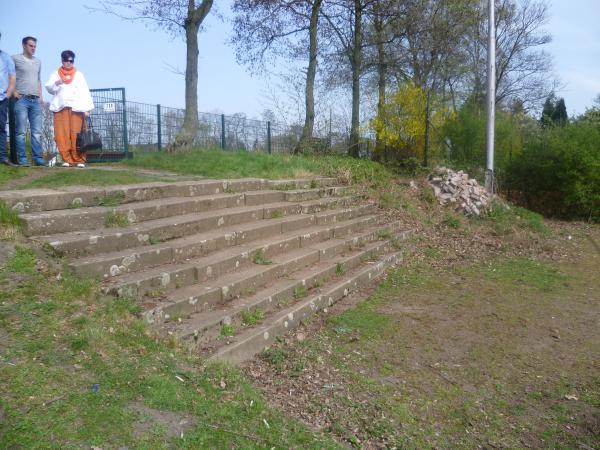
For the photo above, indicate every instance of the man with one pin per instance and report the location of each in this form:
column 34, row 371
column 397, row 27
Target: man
column 28, row 102
column 7, row 87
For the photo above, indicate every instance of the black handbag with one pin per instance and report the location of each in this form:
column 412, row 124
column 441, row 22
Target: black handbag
column 88, row 139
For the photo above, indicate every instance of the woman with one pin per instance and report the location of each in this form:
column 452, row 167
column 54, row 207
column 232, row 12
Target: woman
column 72, row 102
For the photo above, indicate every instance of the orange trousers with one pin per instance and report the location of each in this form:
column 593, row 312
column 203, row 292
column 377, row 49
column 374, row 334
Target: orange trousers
column 67, row 124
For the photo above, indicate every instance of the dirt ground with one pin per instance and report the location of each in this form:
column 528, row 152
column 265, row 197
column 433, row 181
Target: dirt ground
column 480, row 339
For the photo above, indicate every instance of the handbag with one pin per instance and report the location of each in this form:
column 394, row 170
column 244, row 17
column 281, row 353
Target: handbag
column 88, row 139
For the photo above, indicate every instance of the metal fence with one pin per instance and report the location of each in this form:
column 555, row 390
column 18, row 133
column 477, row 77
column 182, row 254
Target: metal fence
column 128, row 127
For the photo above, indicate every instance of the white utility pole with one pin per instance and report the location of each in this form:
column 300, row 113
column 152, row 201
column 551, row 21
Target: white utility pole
column 491, row 96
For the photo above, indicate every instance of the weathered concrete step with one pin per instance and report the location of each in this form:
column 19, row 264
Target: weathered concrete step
column 77, row 219
column 106, row 240
column 200, row 329
column 163, row 279
column 36, row 200
column 258, row 338
column 198, row 298
column 179, row 250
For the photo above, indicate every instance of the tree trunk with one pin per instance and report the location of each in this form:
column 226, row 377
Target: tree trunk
column 309, row 120
column 356, row 58
column 379, row 153
column 186, row 136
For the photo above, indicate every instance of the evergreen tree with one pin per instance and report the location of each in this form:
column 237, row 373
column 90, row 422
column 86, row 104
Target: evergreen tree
column 547, row 112
column 559, row 116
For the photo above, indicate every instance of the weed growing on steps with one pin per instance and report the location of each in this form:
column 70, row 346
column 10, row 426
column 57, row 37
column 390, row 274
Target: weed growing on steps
column 76, row 203
column 300, row 292
column 114, row 199
column 340, row 269
column 261, row 259
column 227, row 330
column 277, row 214
column 116, row 219
column 253, row 317
column 314, row 184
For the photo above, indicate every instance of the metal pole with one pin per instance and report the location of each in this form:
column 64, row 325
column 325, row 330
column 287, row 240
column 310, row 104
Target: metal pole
column 269, row 137
column 491, row 96
column 158, row 128
column 426, row 149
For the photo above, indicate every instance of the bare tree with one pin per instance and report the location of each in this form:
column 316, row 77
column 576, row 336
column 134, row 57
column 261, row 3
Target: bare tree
column 280, row 28
column 177, row 17
column 523, row 68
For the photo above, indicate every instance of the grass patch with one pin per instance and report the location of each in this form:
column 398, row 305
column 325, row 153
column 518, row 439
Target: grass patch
column 228, row 330
column 525, row 272
column 8, row 216
column 113, row 199
column 11, row 173
column 240, row 164
column 452, row 221
column 88, row 177
column 253, row 317
column 506, row 218
column 74, row 362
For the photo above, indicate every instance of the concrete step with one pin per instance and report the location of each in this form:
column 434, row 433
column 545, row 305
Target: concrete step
column 257, row 338
column 179, row 250
column 247, row 280
column 36, row 200
column 77, row 219
column 163, row 279
column 203, row 330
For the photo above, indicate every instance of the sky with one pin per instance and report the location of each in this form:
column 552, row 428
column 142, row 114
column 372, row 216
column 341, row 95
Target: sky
column 144, row 60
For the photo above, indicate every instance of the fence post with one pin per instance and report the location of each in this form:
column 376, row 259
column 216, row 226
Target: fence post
column 11, row 131
column 158, row 127
column 125, row 140
column 269, row 136
column 223, row 131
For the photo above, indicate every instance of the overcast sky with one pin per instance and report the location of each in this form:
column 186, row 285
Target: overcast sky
column 113, row 53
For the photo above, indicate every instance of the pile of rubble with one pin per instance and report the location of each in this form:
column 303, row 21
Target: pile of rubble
column 457, row 189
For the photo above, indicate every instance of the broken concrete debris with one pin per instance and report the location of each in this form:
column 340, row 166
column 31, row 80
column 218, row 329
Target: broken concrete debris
column 457, row 189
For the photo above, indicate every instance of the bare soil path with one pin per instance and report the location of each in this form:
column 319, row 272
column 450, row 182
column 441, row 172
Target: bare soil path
column 471, row 345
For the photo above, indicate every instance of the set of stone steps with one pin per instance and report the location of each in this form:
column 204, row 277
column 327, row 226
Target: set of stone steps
column 225, row 266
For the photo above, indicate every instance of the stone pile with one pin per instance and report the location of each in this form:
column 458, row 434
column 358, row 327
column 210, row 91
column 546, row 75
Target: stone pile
column 457, row 189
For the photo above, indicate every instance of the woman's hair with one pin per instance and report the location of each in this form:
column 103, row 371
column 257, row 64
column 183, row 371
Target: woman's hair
column 67, row 54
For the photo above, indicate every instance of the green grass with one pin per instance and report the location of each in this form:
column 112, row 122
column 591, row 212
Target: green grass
column 253, row 317
column 240, row 164
column 74, row 362
column 88, row 177
column 506, row 218
column 8, row 216
column 11, row 173
column 227, row 329
column 112, row 199
column 527, row 273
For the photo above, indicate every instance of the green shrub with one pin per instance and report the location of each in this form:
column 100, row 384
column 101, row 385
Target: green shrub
column 558, row 173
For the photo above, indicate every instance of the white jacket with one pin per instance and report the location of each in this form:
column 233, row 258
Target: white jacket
column 75, row 95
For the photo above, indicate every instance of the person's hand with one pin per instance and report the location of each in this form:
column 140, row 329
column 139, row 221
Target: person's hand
column 16, row 95
column 58, row 82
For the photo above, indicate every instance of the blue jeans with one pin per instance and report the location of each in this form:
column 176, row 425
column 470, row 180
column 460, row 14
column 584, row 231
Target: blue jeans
column 28, row 108
column 3, row 116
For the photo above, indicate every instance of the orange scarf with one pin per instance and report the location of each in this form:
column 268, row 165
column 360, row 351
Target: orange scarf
column 67, row 75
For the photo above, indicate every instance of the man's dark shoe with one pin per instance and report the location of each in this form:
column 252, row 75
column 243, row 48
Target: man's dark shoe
column 41, row 164
column 8, row 162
